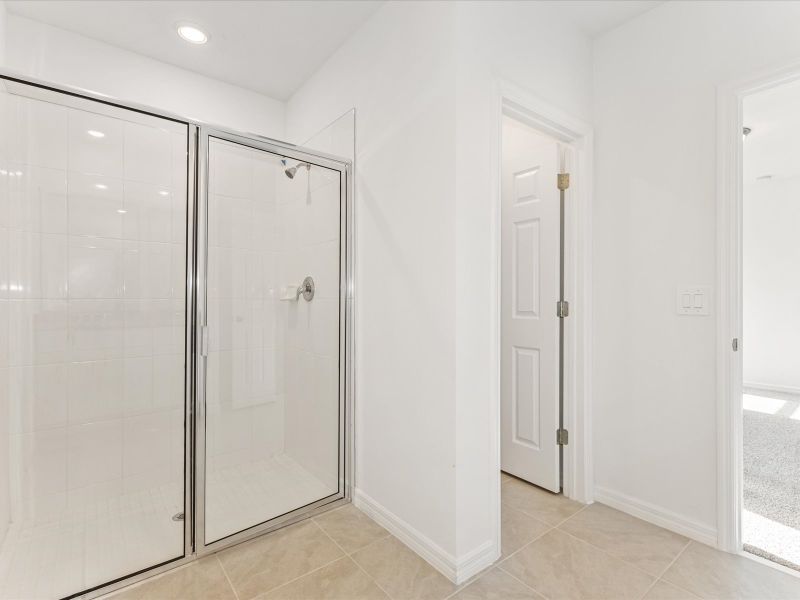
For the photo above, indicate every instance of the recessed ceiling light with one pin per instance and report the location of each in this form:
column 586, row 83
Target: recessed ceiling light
column 96, row 134
column 192, row 34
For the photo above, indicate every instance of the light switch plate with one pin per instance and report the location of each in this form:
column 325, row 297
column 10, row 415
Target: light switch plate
column 694, row 300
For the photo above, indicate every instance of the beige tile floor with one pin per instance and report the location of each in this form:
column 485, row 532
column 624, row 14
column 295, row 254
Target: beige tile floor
column 552, row 548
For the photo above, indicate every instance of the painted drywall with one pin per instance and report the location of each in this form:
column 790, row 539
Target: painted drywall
column 404, row 95
column 654, row 229
column 39, row 50
column 3, row 20
column 771, row 286
column 528, row 45
column 424, row 236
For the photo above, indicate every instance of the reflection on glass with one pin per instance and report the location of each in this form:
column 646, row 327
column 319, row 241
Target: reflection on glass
column 92, row 276
column 272, row 430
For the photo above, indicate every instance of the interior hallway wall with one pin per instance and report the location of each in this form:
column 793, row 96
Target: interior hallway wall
column 655, row 228
column 526, row 44
column 53, row 54
column 421, row 78
column 397, row 71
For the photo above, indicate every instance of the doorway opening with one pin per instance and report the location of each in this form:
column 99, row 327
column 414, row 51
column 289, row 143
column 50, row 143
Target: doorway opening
column 533, row 307
column 540, row 482
column 770, row 518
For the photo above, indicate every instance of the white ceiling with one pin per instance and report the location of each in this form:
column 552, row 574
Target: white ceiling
column 291, row 39
column 773, row 146
column 595, row 17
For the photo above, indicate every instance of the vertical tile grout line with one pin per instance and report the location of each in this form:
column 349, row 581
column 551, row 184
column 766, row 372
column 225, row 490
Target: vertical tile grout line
column 227, row 577
column 550, row 527
column 355, row 562
column 522, row 582
column 664, row 572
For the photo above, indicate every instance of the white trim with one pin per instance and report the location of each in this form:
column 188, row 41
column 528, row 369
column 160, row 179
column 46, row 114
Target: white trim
column 657, row 515
column 457, row 571
column 770, row 387
column 512, row 100
column 729, row 298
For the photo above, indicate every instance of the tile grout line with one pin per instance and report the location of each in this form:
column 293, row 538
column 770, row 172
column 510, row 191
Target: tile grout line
column 545, row 532
column 607, row 553
column 661, row 577
column 262, row 593
column 227, row 577
column 522, row 582
column 530, row 516
column 327, row 564
column 604, row 551
column 354, row 561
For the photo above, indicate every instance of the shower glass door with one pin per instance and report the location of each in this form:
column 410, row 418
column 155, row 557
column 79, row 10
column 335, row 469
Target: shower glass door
column 271, row 439
column 93, row 239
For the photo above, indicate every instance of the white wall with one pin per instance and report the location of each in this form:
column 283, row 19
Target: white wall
column 404, row 95
column 3, row 23
column 654, row 228
column 771, row 284
column 39, row 50
column 421, row 78
column 526, row 44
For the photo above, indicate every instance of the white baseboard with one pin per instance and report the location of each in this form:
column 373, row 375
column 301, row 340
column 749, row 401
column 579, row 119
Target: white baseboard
column 456, row 570
column 768, row 387
column 657, row 516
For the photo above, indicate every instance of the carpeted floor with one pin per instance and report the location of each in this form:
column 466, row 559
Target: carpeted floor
column 772, row 479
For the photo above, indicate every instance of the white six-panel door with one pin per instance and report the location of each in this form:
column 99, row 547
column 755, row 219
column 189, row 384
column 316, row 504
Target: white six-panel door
column 529, row 325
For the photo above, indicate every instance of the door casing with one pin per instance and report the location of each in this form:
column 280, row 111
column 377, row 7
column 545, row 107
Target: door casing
column 512, row 100
column 730, row 439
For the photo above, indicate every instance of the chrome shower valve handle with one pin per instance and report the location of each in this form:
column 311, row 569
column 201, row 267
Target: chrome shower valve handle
column 306, row 289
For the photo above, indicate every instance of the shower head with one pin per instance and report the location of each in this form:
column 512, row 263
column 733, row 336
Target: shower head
column 292, row 171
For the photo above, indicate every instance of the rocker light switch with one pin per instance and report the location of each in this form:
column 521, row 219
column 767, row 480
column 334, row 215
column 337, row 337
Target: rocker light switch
column 694, row 300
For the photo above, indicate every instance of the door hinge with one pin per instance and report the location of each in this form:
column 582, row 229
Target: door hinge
column 562, row 309
column 562, row 437
column 735, row 344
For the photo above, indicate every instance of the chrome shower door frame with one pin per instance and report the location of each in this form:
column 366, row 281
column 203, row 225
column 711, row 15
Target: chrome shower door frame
column 346, row 284
column 101, row 104
column 195, row 312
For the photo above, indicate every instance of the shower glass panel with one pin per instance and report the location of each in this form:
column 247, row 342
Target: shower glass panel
column 93, row 229
column 274, row 436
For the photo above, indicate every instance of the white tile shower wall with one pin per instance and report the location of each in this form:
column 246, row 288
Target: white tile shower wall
column 308, row 209
column 92, row 235
column 244, row 386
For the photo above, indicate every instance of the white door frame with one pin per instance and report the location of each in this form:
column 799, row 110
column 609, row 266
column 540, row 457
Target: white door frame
column 730, row 439
column 523, row 106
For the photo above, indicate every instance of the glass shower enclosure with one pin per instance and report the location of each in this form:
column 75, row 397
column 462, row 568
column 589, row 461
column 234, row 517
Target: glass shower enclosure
column 174, row 339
